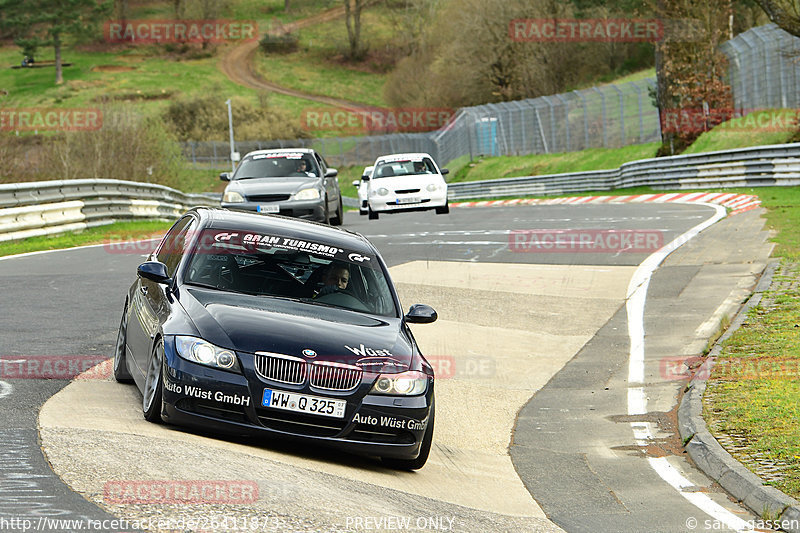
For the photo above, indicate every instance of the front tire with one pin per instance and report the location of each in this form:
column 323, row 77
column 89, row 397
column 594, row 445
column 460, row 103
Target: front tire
column 372, row 214
column 424, row 450
column 153, row 395
column 444, row 209
column 339, row 218
column 121, row 373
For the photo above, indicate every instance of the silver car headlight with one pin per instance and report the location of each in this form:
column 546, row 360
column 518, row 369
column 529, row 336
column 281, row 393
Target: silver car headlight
column 410, row 383
column 200, row 351
column 432, row 187
column 232, row 197
column 383, row 191
column 306, row 194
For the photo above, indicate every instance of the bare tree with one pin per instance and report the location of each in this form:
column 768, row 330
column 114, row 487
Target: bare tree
column 784, row 13
column 352, row 19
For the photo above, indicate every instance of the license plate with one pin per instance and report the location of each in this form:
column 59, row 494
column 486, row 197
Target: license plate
column 303, row 403
column 409, row 200
column 269, row 209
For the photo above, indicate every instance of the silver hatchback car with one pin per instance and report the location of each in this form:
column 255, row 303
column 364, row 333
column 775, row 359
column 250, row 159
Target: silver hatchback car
column 295, row 182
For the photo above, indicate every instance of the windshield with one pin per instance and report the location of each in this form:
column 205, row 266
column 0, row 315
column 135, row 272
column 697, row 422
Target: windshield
column 281, row 165
column 386, row 169
column 286, row 267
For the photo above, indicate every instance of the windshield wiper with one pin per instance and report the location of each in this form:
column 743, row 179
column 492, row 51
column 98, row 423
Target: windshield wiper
column 217, row 288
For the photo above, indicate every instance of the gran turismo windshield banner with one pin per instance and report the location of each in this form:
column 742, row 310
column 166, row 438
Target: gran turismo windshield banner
column 213, row 240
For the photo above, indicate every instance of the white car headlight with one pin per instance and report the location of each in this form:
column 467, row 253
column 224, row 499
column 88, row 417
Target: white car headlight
column 403, row 384
column 232, row 197
column 203, row 352
column 383, row 191
column 432, row 187
column 307, row 194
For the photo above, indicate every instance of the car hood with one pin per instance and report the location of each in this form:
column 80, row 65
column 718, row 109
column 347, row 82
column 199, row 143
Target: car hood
column 260, row 324
column 406, row 182
column 252, row 186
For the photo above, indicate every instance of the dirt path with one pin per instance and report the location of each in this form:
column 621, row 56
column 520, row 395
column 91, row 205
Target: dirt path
column 238, row 64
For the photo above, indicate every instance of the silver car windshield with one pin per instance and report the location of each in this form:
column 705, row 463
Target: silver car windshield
column 277, row 166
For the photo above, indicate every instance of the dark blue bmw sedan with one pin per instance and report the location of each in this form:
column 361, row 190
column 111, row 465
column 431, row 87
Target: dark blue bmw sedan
column 260, row 324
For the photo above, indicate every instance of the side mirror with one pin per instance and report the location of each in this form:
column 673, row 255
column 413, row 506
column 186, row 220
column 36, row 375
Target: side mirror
column 365, row 177
column 331, row 173
column 155, row 271
column 445, row 171
column 356, row 183
column 421, row 314
column 225, row 176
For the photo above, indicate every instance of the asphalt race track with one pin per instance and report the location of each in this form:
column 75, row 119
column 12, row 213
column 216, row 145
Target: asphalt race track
column 542, row 423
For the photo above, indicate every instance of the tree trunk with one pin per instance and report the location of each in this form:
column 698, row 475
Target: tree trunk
column 352, row 19
column 287, row 5
column 122, row 11
column 57, row 47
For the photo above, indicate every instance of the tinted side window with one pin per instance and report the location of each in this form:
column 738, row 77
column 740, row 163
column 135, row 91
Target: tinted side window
column 173, row 246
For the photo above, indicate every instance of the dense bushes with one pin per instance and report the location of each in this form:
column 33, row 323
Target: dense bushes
column 206, row 119
column 126, row 147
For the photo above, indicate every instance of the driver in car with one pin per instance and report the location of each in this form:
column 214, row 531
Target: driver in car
column 302, row 168
column 336, row 279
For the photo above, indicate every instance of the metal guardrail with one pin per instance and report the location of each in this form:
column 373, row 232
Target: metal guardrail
column 50, row 207
column 777, row 165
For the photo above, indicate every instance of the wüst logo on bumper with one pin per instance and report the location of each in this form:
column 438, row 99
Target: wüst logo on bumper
column 192, row 492
column 585, row 241
column 179, row 31
column 55, row 367
column 50, row 119
column 377, row 120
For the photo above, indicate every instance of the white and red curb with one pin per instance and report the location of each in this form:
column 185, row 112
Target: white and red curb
column 738, row 203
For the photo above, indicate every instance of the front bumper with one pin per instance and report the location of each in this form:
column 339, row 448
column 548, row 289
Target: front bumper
column 304, row 209
column 227, row 402
column 382, row 204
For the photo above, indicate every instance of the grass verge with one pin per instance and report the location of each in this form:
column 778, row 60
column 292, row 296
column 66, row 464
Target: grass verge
column 753, row 394
column 116, row 232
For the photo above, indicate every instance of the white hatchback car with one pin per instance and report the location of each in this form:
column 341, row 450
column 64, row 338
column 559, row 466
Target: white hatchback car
column 403, row 182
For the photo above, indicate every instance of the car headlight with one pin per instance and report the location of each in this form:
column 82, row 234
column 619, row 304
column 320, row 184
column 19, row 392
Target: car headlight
column 383, row 191
column 203, row 352
column 232, row 197
column 432, row 187
column 307, row 194
column 403, row 384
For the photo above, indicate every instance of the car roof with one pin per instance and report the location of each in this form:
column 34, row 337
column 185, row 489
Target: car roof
column 219, row 218
column 409, row 155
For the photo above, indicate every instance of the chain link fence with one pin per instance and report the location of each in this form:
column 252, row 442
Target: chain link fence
column 764, row 73
column 764, row 68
